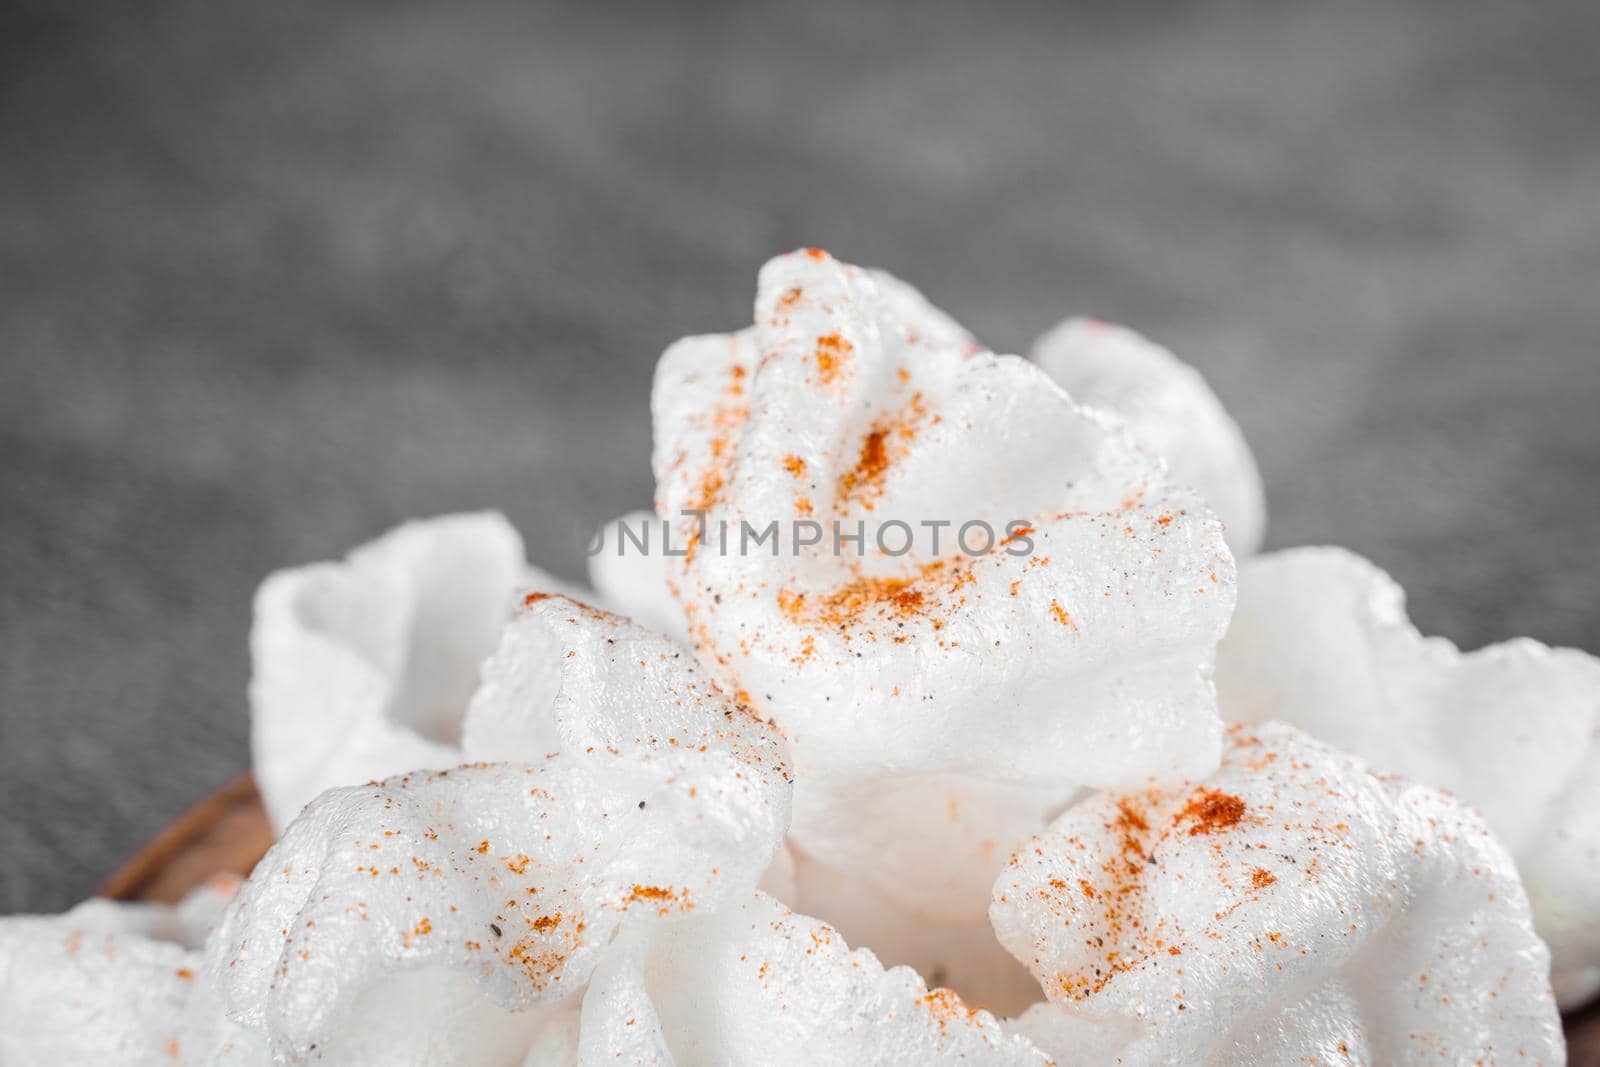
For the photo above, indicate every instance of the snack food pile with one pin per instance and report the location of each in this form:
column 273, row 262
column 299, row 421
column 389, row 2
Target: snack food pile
column 927, row 717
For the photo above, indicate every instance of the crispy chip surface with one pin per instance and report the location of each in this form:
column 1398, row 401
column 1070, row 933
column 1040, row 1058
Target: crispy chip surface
column 1321, row 639
column 1293, row 900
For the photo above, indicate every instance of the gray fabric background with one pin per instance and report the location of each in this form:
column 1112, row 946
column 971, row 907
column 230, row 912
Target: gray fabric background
column 274, row 277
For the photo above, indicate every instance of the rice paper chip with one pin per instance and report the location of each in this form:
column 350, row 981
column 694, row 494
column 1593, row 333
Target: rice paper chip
column 956, row 951
column 637, row 712
column 644, row 795
column 1293, row 900
column 913, row 863
column 1325, row 1027
column 1169, row 409
column 761, row 984
column 1071, row 648
column 116, row 983
column 363, row 668
column 555, row 1042
column 1321, row 640
column 1074, row 649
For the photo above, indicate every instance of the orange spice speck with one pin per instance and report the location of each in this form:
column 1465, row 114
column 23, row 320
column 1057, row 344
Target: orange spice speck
column 946, row 1007
column 1129, row 817
column 850, row 601
column 871, row 465
column 651, row 892
column 1210, row 810
column 832, row 352
column 882, row 445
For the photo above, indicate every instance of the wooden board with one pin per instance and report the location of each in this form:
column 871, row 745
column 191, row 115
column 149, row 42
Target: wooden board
column 226, row 833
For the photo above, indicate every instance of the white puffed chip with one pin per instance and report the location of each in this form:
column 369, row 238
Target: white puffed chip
column 1294, row 900
column 1321, row 640
column 1169, row 409
column 1000, row 673
column 761, row 984
column 1072, row 651
column 914, row 861
column 362, row 668
column 642, row 719
column 115, row 983
column 555, row 1041
column 1324, row 1028
column 1076, row 651
column 644, row 794
column 392, row 893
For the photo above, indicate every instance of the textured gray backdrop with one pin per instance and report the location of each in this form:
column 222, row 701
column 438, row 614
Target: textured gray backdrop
column 274, row 277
